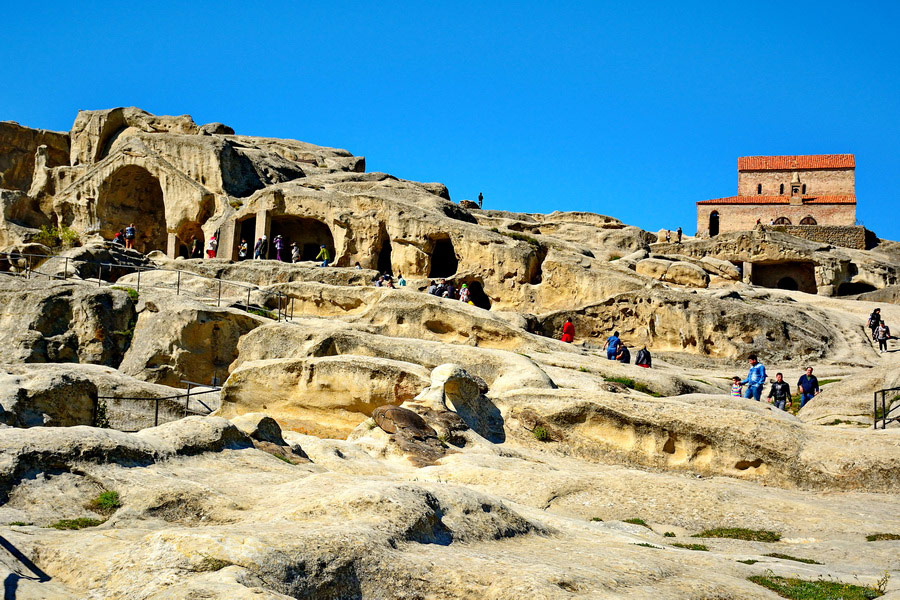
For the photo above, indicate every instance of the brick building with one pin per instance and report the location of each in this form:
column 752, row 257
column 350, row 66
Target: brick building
column 815, row 191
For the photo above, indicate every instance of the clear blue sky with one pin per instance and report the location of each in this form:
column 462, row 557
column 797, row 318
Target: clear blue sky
column 635, row 110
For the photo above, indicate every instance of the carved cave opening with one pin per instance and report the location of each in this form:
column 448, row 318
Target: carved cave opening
column 132, row 195
column 443, row 259
column 851, row 288
column 309, row 234
column 787, row 275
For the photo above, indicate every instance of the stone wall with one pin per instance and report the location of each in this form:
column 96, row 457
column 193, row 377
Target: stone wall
column 742, row 217
column 847, row 236
column 818, row 182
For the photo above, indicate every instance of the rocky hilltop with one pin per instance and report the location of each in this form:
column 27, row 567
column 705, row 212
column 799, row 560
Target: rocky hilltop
column 174, row 426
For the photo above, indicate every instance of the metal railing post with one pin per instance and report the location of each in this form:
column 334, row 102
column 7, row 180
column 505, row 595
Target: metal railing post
column 178, row 284
column 139, row 280
column 875, row 410
column 883, row 411
column 100, row 276
column 219, row 297
column 156, row 416
column 66, row 270
column 248, row 300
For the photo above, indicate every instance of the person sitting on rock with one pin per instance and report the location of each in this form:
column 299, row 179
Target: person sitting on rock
column 295, row 252
column 612, row 346
column 780, row 394
column 623, row 355
column 756, row 378
column 736, row 386
column 643, row 358
column 357, row 266
column 323, row 255
column 568, row 332
column 119, row 238
column 400, row 281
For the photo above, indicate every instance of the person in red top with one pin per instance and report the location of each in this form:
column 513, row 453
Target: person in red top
column 568, row 332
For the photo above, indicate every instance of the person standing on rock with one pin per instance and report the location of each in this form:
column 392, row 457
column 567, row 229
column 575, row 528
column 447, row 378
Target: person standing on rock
column 568, row 332
column 323, row 255
column 278, row 242
column 668, row 236
column 874, row 321
column 480, row 200
column 242, row 251
column 130, row 234
column 780, row 394
column 643, row 358
column 736, row 387
column 678, row 233
column 212, row 246
column 295, row 252
column 882, row 334
column 261, row 250
column 196, row 248
column 612, row 346
column 808, row 386
column 756, row 379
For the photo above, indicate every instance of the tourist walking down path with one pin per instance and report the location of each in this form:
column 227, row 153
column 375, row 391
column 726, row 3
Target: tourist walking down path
column 882, row 334
column 756, row 378
column 874, row 321
column 780, row 394
column 568, row 332
column 130, row 234
column 643, row 358
column 808, row 386
column 212, row 246
column 612, row 346
column 323, row 255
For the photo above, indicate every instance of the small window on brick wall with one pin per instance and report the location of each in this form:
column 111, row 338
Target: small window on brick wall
column 782, row 221
column 759, row 188
column 804, row 188
column 808, row 220
column 781, row 190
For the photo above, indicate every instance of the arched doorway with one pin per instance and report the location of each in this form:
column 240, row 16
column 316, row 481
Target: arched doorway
column 132, row 195
column 384, row 264
column 788, row 283
column 443, row 259
column 309, row 234
column 855, row 287
column 808, row 220
column 713, row 223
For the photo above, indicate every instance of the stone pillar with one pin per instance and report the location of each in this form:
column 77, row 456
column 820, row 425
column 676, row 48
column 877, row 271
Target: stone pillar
column 228, row 241
column 263, row 228
column 747, row 270
column 172, row 246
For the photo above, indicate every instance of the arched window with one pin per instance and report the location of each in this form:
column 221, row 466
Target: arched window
column 804, row 189
column 781, row 190
column 782, row 221
column 808, row 220
column 759, row 188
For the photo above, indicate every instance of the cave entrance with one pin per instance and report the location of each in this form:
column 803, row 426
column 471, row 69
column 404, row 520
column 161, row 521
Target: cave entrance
column 384, row 256
column 186, row 235
column 248, row 234
column 309, row 234
column 132, row 195
column 443, row 259
column 479, row 298
column 787, row 275
column 851, row 288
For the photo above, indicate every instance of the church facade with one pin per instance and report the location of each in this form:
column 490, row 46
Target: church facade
column 794, row 192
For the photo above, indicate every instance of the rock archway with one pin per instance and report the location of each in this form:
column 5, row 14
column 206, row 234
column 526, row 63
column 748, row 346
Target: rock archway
column 309, row 234
column 133, row 195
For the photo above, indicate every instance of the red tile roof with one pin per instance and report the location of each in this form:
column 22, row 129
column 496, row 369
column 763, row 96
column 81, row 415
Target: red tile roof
column 781, row 200
column 789, row 163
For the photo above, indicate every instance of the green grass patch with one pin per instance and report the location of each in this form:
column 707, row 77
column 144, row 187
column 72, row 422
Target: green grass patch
column 634, row 385
column 597, row 519
column 132, row 293
column 808, row 561
column 261, row 312
column 739, row 533
column 56, row 237
column 799, row 589
column 646, row 545
column 700, row 547
column 827, row 381
column 80, row 523
column 749, row 561
column 701, row 381
column 882, row 537
column 614, row 257
column 520, row 237
column 584, row 369
column 669, row 534
column 106, row 503
column 19, row 524
column 840, row 422
column 637, row 521
column 212, row 564
column 541, row 434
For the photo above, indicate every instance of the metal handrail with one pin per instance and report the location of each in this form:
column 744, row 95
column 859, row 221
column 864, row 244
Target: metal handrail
column 886, row 408
column 281, row 298
column 186, row 408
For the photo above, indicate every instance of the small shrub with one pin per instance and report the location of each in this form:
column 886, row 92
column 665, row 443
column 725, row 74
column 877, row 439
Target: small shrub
column 646, row 545
column 79, row 523
column 669, row 534
column 699, row 547
column 19, row 523
column 800, row 589
column 261, row 312
column 637, row 521
column 55, row 237
column 808, row 561
column 212, row 564
column 614, row 257
column 101, row 417
column 541, row 434
column 132, row 293
column 598, row 519
column 634, row 385
column 749, row 561
column 106, row 503
column 739, row 533
column 584, row 369
column 234, row 203
column 881, row 537
column 520, row 237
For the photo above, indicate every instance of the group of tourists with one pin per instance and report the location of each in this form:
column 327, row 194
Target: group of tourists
column 881, row 333
column 281, row 247
column 678, row 235
column 444, row 289
column 780, row 391
column 388, row 280
column 618, row 351
column 125, row 237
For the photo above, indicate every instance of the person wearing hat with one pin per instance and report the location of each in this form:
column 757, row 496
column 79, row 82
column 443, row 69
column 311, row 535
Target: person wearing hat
column 465, row 294
column 323, row 255
column 279, row 244
column 295, row 252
